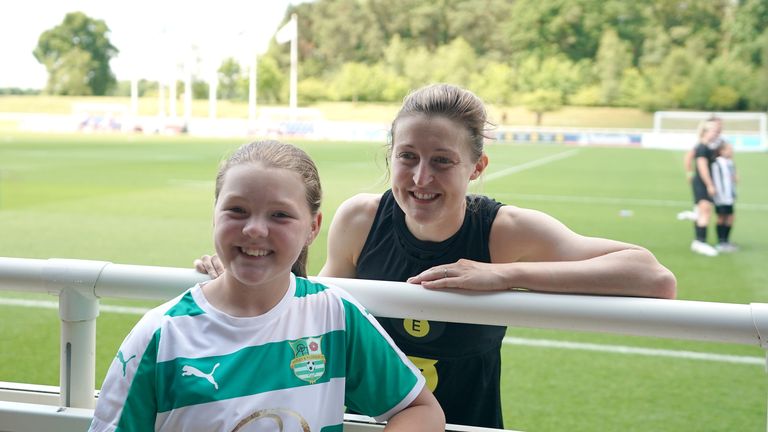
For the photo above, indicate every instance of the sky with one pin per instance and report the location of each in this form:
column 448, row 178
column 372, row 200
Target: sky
column 155, row 37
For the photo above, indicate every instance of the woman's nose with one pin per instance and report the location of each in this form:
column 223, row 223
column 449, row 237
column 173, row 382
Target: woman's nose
column 422, row 174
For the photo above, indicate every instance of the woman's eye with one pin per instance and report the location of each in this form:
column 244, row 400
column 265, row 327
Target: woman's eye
column 281, row 215
column 236, row 210
column 443, row 160
column 406, row 155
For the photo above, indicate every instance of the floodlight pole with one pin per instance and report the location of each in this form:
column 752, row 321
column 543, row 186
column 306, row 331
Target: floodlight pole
column 187, row 90
column 252, row 88
column 294, row 66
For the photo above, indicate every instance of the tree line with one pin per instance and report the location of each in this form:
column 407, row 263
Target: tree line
column 651, row 54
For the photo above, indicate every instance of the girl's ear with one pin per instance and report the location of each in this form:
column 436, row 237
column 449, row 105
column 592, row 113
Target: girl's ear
column 317, row 220
column 480, row 166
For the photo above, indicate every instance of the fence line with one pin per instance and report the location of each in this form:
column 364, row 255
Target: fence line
column 80, row 283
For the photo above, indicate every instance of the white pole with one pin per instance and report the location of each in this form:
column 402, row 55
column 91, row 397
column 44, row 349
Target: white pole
column 213, row 83
column 134, row 97
column 294, row 66
column 172, row 92
column 187, row 91
column 161, row 99
column 252, row 88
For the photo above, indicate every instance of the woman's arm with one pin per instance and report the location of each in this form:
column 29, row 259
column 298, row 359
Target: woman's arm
column 347, row 234
column 423, row 414
column 702, row 164
column 534, row 251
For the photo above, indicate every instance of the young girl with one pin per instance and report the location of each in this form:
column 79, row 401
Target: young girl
column 262, row 345
column 724, row 179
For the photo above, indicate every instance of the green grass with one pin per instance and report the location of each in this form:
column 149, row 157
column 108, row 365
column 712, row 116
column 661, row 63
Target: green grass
column 147, row 200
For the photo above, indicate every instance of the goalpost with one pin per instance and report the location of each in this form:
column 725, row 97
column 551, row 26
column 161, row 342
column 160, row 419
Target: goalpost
column 747, row 131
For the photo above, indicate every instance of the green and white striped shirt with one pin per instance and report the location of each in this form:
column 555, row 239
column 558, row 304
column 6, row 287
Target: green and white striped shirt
column 187, row 366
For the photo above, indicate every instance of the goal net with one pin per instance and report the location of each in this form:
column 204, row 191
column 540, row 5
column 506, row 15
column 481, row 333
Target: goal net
column 747, row 131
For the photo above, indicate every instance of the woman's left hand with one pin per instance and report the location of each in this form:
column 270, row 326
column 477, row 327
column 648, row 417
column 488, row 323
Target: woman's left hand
column 465, row 274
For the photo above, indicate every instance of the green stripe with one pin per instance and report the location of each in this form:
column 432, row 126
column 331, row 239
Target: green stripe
column 139, row 410
column 305, row 287
column 185, row 307
column 377, row 378
column 333, row 428
column 246, row 372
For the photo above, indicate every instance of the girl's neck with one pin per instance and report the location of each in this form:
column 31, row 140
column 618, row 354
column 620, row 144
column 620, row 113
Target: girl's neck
column 235, row 299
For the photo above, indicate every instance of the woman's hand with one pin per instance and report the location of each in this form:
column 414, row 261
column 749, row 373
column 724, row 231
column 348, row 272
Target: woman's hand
column 464, row 273
column 210, row 265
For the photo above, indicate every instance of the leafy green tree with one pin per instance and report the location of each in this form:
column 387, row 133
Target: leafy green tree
column 495, row 83
column 77, row 54
column 543, row 101
column 272, row 80
column 613, row 57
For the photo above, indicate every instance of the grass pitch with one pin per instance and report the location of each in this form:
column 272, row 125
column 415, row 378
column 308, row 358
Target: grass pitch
column 148, row 200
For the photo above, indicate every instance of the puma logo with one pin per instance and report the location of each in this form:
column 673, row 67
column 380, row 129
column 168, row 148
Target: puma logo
column 188, row 370
column 123, row 361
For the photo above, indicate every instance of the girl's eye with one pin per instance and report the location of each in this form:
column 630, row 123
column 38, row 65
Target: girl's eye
column 281, row 215
column 236, row 210
column 406, row 155
column 443, row 160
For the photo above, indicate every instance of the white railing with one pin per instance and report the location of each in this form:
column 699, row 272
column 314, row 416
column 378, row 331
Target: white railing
column 79, row 285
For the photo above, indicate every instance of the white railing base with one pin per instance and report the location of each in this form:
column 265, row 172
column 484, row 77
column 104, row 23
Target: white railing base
column 34, row 408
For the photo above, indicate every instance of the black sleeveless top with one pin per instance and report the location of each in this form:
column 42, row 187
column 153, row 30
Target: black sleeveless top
column 462, row 362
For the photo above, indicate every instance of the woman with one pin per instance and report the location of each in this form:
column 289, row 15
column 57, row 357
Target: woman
column 427, row 231
column 705, row 154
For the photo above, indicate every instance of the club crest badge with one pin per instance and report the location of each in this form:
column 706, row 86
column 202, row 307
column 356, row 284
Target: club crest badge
column 308, row 363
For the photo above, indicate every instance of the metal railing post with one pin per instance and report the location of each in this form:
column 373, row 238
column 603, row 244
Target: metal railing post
column 75, row 281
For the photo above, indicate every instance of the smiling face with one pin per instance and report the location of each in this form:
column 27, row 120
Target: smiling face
column 261, row 223
column 431, row 169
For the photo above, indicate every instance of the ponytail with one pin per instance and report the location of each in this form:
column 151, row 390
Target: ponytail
column 299, row 268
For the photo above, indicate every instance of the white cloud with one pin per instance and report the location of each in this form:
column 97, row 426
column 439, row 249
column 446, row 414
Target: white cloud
column 154, row 36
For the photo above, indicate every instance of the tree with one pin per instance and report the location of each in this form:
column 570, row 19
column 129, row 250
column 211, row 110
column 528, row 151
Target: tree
column 613, row 57
column 77, row 54
column 542, row 101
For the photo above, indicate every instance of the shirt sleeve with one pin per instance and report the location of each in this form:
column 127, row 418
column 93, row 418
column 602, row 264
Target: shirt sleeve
column 380, row 380
column 127, row 401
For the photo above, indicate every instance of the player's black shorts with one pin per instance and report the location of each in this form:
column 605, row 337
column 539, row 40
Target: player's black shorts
column 724, row 210
column 700, row 191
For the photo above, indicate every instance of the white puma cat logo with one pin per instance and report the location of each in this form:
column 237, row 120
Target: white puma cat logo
column 191, row 370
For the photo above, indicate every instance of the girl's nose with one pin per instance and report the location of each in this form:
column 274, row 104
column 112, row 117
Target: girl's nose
column 255, row 227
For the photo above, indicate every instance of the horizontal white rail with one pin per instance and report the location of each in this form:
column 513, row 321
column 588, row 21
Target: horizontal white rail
column 678, row 319
column 79, row 284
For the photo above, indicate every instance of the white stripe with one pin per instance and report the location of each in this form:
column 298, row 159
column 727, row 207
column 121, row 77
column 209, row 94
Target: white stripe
column 528, row 165
column 541, row 343
column 619, row 349
column 623, row 201
column 55, row 305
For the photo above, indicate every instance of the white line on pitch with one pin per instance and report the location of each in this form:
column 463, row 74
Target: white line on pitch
column 622, row 201
column 530, row 164
column 540, row 343
column 55, row 305
column 619, row 349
